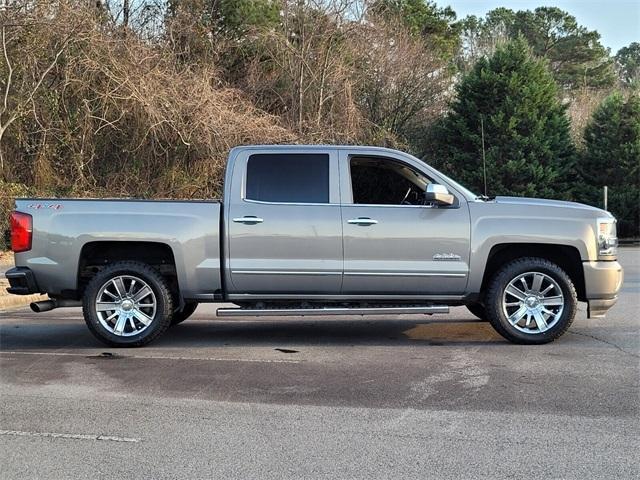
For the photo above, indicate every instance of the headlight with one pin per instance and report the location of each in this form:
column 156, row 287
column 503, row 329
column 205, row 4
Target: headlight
column 607, row 237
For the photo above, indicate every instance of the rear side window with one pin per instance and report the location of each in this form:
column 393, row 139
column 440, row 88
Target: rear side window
column 291, row 178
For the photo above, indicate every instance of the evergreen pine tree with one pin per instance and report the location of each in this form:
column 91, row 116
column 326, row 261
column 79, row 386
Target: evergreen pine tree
column 529, row 151
column 611, row 157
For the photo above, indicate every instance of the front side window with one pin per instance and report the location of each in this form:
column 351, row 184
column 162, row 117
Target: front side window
column 380, row 181
column 288, row 178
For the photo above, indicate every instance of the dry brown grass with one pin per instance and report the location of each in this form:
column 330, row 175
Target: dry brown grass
column 9, row 301
column 6, row 258
column 118, row 116
column 92, row 110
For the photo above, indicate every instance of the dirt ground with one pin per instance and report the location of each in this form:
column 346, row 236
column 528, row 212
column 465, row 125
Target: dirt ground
column 6, row 300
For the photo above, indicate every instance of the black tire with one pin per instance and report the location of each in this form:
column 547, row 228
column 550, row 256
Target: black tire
column 514, row 269
column 180, row 316
column 478, row 310
column 161, row 320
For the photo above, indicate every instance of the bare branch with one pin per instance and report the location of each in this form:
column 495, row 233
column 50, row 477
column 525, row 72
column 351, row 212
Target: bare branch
column 7, row 86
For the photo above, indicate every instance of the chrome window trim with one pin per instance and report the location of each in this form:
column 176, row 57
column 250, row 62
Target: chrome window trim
column 429, row 207
column 262, row 202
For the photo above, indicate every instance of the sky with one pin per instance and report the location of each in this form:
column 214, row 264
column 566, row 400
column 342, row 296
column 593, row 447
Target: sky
column 618, row 21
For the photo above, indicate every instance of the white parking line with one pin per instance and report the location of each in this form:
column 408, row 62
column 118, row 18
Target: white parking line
column 73, row 436
column 155, row 357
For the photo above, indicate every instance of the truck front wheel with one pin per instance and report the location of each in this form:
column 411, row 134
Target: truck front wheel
column 531, row 301
column 127, row 304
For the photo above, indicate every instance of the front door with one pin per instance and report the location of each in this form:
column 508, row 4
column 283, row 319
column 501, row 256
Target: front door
column 393, row 242
column 284, row 224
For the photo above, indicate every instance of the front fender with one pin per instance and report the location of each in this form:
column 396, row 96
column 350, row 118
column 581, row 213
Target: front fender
column 544, row 227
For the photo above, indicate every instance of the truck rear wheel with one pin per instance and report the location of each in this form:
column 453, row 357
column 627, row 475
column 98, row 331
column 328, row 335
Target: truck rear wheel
column 180, row 316
column 128, row 304
column 531, row 301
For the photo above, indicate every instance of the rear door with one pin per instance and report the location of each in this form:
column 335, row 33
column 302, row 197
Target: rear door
column 393, row 242
column 284, row 229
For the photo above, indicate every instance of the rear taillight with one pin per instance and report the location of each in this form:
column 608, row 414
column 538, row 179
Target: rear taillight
column 21, row 231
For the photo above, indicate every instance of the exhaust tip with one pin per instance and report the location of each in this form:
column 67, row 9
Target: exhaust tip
column 43, row 306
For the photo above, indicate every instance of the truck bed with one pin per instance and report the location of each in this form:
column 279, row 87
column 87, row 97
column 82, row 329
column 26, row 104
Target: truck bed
column 64, row 228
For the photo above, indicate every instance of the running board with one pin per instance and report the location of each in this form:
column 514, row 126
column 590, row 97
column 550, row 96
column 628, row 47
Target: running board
column 296, row 312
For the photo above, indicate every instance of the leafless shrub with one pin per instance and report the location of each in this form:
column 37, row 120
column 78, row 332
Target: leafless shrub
column 118, row 116
column 403, row 83
column 581, row 106
column 334, row 73
column 305, row 73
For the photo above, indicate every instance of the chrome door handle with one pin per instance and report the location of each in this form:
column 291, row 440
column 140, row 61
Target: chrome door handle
column 362, row 221
column 248, row 219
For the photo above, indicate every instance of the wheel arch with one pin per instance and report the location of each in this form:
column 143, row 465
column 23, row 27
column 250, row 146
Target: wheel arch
column 565, row 256
column 96, row 255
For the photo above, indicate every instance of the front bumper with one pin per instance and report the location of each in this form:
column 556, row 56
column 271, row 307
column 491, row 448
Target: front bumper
column 21, row 281
column 602, row 282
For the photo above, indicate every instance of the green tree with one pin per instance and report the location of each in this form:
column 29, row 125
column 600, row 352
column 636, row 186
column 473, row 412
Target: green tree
column 611, row 157
column 628, row 64
column 229, row 17
column 574, row 54
column 423, row 18
column 528, row 147
column 235, row 17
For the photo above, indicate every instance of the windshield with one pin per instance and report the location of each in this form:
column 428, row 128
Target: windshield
column 465, row 191
column 455, row 184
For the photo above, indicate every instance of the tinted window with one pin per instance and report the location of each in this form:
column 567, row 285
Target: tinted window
column 377, row 181
column 294, row 178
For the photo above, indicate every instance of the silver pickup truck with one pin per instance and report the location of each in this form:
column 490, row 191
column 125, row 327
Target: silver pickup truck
column 318, row 230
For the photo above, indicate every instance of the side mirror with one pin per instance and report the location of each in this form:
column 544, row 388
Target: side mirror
column 438, row 194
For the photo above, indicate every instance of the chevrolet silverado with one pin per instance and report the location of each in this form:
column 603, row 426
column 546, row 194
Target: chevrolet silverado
column 318, row 230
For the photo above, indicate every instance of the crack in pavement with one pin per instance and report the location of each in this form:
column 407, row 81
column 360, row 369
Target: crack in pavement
column 607, row 342
column 73, row 436
column 156, row 357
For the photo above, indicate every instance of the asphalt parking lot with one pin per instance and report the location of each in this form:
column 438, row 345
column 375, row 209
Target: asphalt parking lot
column 406, row 397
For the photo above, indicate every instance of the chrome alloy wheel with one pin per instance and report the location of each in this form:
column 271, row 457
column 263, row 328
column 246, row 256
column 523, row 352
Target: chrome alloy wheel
column 533, row 302
column 126, row 305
